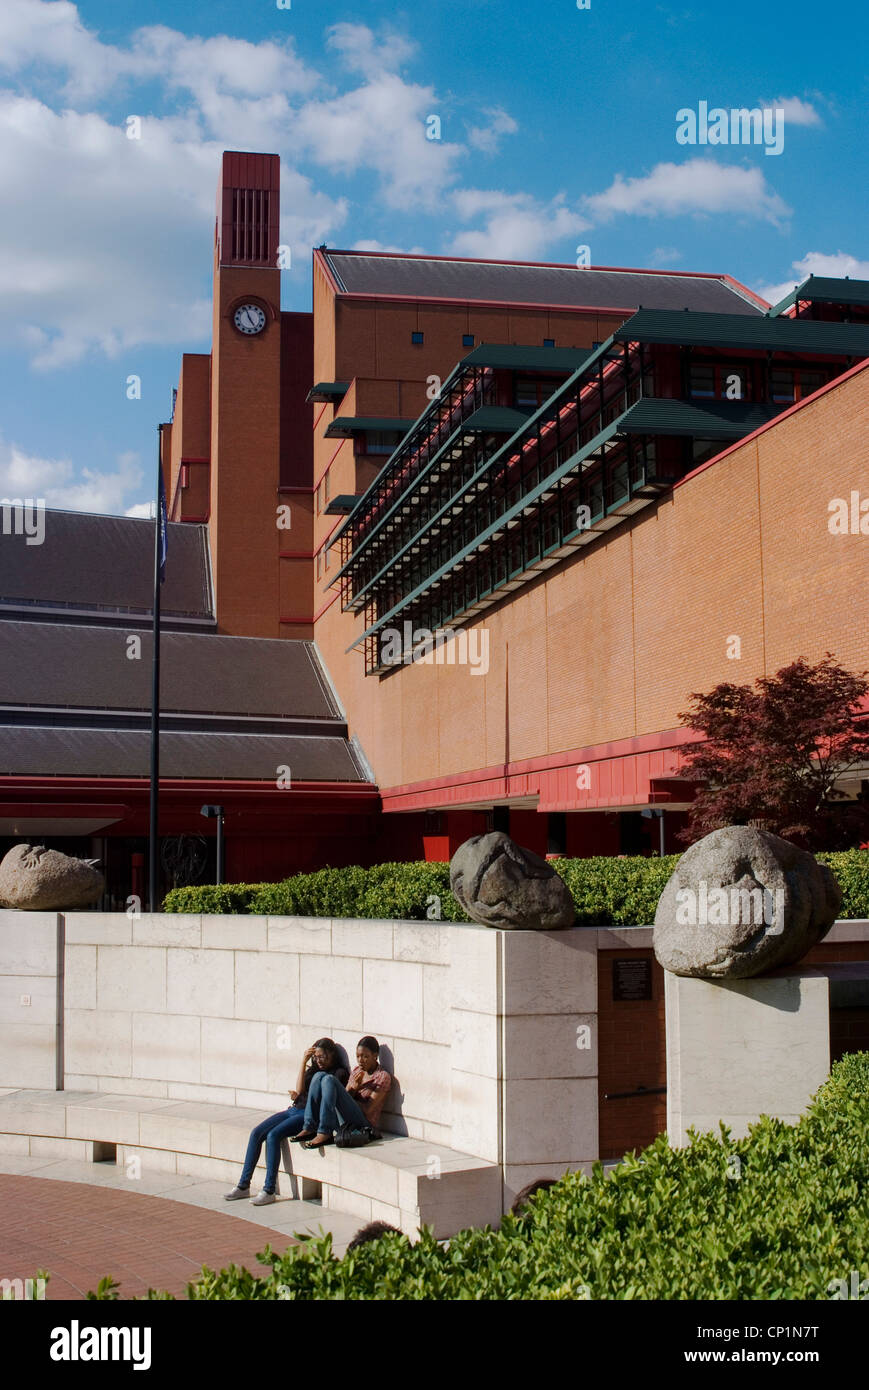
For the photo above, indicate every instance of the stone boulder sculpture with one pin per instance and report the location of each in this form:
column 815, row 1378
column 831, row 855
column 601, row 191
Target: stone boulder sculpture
column 499, row 884
column 44, row 880
column 741, row 902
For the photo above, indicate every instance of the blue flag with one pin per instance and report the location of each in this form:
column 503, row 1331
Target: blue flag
column 162, row 521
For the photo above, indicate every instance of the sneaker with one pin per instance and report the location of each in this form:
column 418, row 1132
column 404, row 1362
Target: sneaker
column 264, row 1199
column 236, row 1194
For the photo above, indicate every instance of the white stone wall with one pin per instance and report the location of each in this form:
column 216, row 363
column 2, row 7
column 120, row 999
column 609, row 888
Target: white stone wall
column 478, row 1026
column 739, row 1049
column 28, row 999
column 221, row 1008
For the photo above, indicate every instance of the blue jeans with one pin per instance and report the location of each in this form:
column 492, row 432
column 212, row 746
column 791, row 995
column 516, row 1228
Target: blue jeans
column 272, row 1130
column 327, row 1100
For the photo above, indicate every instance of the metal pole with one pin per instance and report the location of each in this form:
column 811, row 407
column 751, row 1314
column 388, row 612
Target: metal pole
column 155, row 702
column 220, row 848
column 661, row 818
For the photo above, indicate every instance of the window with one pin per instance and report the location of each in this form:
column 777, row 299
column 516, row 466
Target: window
column 417, row 337
column 531, row 392
column 811, row 381
column 327, row 556
column 719, row 381
column 379, row 442
column 549, row 342
column 319, row 562
column 326, row 489
column 467, row 340
column 702, row 381
column 788, row 384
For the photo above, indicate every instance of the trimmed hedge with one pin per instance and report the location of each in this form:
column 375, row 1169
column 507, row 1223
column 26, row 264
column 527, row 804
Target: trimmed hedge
column 777, row 1215
column 607, row 891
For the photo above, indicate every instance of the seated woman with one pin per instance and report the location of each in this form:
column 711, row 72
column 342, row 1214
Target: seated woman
column 329, row 1103
column 320, row 1061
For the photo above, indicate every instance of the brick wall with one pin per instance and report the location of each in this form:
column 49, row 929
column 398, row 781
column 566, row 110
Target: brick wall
column 632, row 1054
column 611, row 645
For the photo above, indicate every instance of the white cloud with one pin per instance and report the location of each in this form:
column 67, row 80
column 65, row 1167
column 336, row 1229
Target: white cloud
column 61, row 485
column 836, row 266
column 517, row 226
column 362, row 53
column 665, row 255
column 380, row 126
column 487, row 137
column 89, row 259
column 371, row 244
column 698, row 186
column 37, row 35
column 102, row 237
column 796, row 111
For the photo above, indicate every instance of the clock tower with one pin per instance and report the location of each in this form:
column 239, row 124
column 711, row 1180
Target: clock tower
column 246, row 397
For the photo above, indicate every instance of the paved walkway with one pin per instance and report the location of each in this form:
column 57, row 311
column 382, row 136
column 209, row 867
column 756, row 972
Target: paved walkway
column 81, row 1221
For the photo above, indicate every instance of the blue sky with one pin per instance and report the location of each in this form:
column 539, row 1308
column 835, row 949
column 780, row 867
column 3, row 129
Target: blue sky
column 558, row 128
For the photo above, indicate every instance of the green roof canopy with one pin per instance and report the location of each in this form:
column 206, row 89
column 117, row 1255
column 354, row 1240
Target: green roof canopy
column 494, row 419
column 345, row 426
column 328, row 391
column 711, row 420
column 689, row 329
column 342, row 505
column 824, row 289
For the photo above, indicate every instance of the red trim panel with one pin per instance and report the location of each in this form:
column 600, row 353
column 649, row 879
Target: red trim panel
column 600, row 777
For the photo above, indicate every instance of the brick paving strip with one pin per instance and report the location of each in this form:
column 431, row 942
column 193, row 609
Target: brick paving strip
column 80, row 1233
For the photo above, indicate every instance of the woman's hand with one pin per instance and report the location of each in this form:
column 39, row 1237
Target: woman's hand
column 309, row 1052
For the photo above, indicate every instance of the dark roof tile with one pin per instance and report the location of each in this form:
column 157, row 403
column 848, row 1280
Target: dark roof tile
column 420, row 277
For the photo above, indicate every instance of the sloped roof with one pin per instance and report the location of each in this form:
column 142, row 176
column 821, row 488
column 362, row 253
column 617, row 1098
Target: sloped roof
column 104, row 565
column 64, row 665
column 37, row 751
column 424, row 277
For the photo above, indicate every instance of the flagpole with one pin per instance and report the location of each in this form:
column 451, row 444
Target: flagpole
column 155, row 689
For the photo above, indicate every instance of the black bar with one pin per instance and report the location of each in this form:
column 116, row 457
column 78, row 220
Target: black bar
column 155, row 703
column 641, row 1091
column 220, row 848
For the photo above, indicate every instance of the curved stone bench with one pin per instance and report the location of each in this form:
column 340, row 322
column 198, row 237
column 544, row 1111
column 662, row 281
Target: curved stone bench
column 407, row 1182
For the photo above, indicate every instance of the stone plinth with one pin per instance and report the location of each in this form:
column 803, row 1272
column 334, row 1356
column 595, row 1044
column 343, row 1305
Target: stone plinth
column 739, row 1049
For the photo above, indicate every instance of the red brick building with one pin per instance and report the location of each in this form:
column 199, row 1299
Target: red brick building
column 604, row 488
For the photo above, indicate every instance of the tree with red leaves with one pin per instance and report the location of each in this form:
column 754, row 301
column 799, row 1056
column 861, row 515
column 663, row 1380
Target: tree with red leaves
column 771, row 755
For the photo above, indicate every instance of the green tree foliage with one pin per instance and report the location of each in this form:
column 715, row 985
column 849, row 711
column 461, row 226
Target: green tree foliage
column 770, row 756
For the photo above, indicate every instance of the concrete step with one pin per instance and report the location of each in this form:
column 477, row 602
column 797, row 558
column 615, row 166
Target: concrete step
column 408, row 1182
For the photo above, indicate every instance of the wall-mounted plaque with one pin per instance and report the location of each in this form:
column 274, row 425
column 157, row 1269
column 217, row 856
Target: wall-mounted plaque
column 632, row 978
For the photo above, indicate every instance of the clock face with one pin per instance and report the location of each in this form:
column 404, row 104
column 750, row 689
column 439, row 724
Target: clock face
column 249, row 318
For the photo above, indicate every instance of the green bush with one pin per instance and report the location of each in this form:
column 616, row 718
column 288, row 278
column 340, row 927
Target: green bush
column 616, row 892
column 606, row 891
column 208, row 897
column 851, row 868
column 777, row 1215
column 407, row 891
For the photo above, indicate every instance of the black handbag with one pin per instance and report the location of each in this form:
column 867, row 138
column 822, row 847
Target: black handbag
column 354, row 1136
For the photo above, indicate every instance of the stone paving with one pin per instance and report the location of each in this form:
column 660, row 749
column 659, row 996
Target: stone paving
column 81, row 1221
